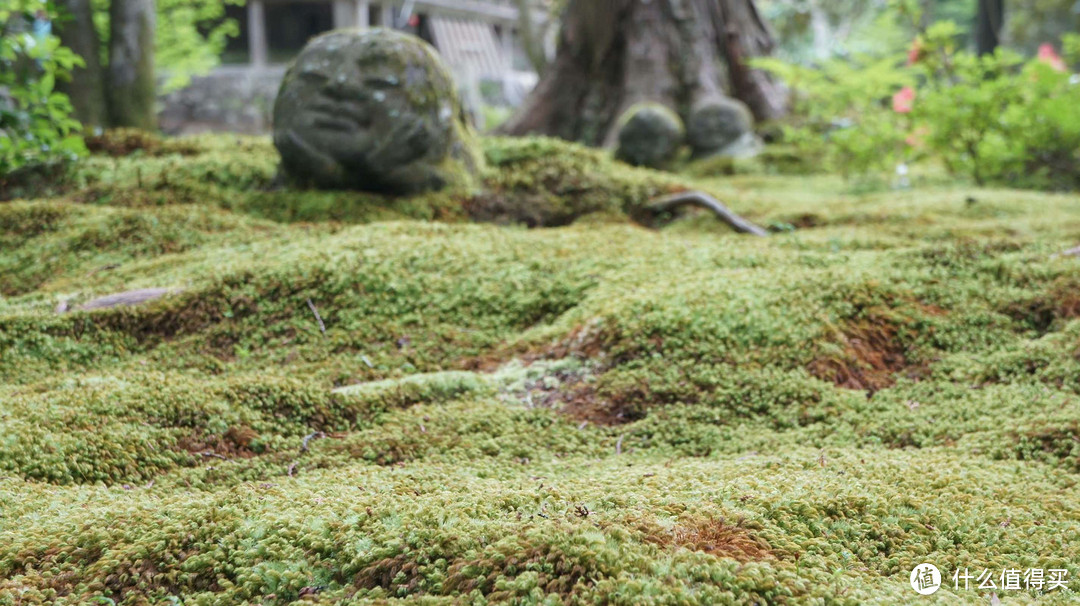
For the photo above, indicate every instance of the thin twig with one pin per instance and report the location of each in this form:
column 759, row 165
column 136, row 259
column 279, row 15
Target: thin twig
column 214, row 454
column 618, row 445
column 700, row 198
column 314, row 310
column 311, row 436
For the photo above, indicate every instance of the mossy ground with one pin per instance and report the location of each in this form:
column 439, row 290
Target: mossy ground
column 594, row 413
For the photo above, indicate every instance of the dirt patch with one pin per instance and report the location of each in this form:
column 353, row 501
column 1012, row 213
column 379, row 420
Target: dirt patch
column 572, row 391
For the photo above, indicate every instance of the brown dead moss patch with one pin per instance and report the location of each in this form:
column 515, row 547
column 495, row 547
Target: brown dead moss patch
column 236, row 443
column 1044, row 313
column 398, row 574
column 120, row 142
column 1058, row 442
column 872, row 359
column 557, row 571
column 584, row 404
column 714, row 536
column 586, row 342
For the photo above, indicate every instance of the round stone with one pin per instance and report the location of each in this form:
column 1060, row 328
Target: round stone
column 716, row 123
column 373, row 110
column 649, row 135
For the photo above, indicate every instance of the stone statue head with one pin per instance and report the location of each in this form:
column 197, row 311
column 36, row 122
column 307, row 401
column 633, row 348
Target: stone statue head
column 373, row 110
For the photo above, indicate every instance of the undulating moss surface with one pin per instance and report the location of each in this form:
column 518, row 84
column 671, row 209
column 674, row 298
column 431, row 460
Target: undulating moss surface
column 342, row 398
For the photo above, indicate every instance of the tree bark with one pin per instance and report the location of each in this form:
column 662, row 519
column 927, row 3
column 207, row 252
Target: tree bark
column 87, row 86
column 988, row 21
column 532, row 37
column 615, row 53
column 131, row 85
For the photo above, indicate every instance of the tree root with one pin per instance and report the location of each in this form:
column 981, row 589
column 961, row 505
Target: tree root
column 704, row 200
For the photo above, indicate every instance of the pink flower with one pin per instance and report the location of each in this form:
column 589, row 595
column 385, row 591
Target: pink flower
column 1049, row 56
column 903, row 101
column 915, row 52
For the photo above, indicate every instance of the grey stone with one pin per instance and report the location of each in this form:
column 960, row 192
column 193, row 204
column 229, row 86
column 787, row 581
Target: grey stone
column 649, row 135
column 373, row 110
column 126, row 298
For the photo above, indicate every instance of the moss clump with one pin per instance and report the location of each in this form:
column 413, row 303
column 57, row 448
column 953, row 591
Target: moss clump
column 596, row 413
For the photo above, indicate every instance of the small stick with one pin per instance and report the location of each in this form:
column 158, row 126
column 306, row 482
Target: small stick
column 618, row 445
column 700, row 198
column 310, row 437
column 314, row 310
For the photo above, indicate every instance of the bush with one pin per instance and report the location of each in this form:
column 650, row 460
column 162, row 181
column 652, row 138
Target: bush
column 36, row 125
column 998, row 119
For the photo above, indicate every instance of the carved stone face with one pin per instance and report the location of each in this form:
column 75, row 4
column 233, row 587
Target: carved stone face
column 371, row 110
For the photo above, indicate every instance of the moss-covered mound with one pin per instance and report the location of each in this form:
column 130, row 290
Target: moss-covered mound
column 335, row 402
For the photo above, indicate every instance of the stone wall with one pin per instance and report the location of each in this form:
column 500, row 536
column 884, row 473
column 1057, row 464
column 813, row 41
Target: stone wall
column 235, row 98
column 231, row 98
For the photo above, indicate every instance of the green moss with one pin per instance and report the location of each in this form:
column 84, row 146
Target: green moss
column 337, row 407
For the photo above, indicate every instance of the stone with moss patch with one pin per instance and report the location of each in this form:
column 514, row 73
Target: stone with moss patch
column 721, row 126
column 373, row 110
column 649, row 135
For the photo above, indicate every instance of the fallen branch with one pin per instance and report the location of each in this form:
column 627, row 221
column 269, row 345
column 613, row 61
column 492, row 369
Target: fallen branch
column 314, row 310
column 704, row 200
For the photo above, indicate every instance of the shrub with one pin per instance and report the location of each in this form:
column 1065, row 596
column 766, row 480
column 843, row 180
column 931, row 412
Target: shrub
column 996, row 118
column 36, row 125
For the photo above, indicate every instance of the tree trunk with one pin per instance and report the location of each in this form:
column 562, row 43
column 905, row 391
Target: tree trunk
column 87, row 86
column 531, row 36
column 131, row 91
column 615, row 53
column 988, row 21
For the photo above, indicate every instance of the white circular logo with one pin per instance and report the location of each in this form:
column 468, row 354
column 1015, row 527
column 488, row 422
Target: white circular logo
column 925, row 579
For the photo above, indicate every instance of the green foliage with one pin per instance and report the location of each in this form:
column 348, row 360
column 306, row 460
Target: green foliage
column 811, row 31
column 996, row 119
column 189, row 39
column 1030, row 23
column 191, row 35
column 36, row 126
column 841, row 112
